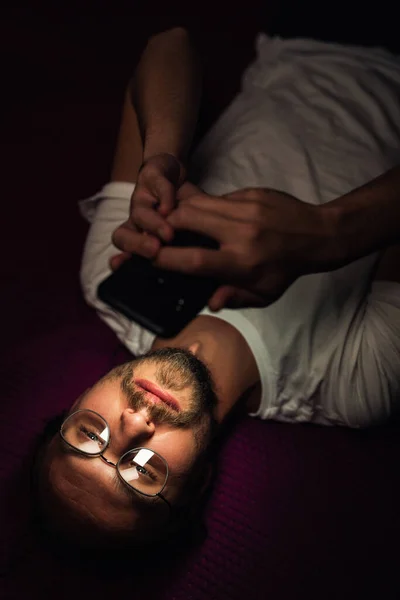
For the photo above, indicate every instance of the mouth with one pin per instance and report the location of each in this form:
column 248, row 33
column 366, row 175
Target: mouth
column 158, row 394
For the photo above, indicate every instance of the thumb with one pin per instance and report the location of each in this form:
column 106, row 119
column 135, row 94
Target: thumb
column 228, row 296
column 165, row 193
column 187, row 190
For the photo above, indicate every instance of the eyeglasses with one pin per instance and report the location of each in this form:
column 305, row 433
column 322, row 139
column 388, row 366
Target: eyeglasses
column 141, row 469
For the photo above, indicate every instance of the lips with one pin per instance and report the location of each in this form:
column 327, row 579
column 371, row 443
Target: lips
column 149, row 386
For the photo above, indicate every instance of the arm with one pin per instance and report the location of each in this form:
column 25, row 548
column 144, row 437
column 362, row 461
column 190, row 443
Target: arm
column 366, row 220
column 166, row 94
column 164, row 98
column 161, row 105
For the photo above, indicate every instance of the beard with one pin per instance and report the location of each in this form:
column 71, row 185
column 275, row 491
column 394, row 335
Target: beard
column 177, row 369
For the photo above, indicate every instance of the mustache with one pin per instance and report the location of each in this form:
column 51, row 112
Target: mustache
column 159, row 413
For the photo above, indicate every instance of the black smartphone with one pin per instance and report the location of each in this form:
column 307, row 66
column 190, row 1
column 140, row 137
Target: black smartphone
column 163, row 302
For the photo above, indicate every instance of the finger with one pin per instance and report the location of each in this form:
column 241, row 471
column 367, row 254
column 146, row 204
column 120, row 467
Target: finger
column 186, row 191
column 233, row 297
column 142, row 196
column 152, row 222
column 199, row 261
column 165, row 193
column 215, row 225
column 219, row 298
column 133, row 242
column 117, row 260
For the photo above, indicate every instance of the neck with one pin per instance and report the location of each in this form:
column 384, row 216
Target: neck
column 224, row 350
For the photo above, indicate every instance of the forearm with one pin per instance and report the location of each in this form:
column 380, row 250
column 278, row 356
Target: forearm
column 166, row 91
column 366, row 219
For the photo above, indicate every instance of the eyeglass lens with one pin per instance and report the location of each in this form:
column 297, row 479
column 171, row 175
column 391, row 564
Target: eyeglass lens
column 86, row 431
column 142, row 469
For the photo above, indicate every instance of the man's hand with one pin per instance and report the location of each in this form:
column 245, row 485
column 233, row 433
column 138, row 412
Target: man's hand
column 152, row 201
column 267, row 239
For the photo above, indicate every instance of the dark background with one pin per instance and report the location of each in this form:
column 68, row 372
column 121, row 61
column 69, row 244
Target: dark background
column 321, row 518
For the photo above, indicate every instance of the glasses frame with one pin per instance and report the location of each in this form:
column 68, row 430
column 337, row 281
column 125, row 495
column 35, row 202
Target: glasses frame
column 109, row 462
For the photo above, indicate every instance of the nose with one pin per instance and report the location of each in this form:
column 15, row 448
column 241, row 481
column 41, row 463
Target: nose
column 136, row 426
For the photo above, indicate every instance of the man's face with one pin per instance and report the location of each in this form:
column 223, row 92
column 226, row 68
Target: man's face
column 173, row 419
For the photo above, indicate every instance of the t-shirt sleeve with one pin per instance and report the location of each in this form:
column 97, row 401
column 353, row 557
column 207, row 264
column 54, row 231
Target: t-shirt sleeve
column 364, row 380
column 105, row 211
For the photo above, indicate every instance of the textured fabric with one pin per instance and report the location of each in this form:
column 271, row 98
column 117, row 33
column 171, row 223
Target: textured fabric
column 306, row 107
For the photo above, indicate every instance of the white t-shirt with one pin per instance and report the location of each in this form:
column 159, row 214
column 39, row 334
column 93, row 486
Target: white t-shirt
column 315, row 120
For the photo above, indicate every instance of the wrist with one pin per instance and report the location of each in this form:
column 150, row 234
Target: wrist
column 169, row 162
column 327, row 249
column 344, row 235
column 155, row 147
column 366, row 219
